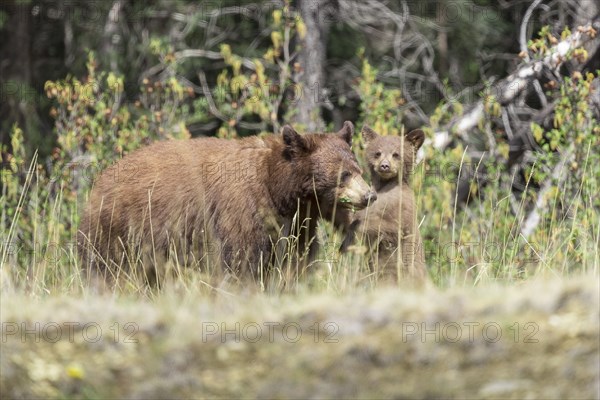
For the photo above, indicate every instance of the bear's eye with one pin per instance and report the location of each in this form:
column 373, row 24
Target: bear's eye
column 396, row 155
column 377, row 154
column 345, row 176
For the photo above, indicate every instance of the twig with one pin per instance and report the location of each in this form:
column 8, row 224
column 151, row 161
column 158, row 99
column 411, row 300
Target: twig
column 211, row 103
column 558, row 177
column 506, row 122
column 212, row 55
column 540, row 92
column 524, row 24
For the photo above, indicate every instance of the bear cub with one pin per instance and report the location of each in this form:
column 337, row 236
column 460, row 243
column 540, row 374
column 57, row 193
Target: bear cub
column 388, row 227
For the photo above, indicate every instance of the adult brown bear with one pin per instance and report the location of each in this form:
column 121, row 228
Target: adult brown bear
column 231, row 197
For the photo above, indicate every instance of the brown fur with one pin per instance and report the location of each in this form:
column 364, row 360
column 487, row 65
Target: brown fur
column 207, row 195
column 389, row 226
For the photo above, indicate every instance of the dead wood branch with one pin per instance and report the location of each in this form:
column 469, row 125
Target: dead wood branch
column 508, row 89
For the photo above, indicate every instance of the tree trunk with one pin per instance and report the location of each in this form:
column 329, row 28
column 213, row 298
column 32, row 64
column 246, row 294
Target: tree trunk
column 312, row 59
column 111, row 31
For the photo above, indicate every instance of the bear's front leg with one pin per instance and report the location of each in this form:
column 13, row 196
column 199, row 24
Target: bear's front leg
column 245, row 253
column 413, row 258
column 385, row 260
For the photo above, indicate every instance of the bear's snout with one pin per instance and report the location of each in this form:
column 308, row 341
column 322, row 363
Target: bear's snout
column 356, row 194
column 384, row 166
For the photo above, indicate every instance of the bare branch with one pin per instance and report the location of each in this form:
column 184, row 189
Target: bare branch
column 559, row 174
column 211, row 55
column 509, row 88
column 211, row 104
column 524, row 24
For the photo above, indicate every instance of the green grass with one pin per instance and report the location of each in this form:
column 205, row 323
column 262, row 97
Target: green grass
column 477, row 245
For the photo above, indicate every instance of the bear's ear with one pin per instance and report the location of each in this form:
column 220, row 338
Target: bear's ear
column 294, row 142
column 347, row 132
column 416, row 138
column 368, row 134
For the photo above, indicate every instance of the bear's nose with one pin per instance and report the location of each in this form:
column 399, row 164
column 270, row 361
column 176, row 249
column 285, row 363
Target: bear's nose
column 384, row 166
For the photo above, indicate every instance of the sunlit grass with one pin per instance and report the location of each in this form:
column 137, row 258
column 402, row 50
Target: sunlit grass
column 481, row 243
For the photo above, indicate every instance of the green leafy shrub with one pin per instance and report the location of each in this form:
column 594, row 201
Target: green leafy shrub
column 41, row 201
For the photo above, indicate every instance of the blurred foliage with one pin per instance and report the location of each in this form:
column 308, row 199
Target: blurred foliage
column 380, row 107
column 191, row 345
column 255, row 96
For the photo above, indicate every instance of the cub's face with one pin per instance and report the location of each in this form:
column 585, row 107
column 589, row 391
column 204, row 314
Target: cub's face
column 335, row 175
column 389, row 156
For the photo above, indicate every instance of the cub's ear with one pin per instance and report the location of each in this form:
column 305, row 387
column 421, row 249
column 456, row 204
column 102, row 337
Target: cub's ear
column 294, row 142
column 347, row 132
column 416, row 138
column 368, row 134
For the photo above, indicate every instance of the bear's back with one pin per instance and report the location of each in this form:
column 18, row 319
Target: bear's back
column 175, row 186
